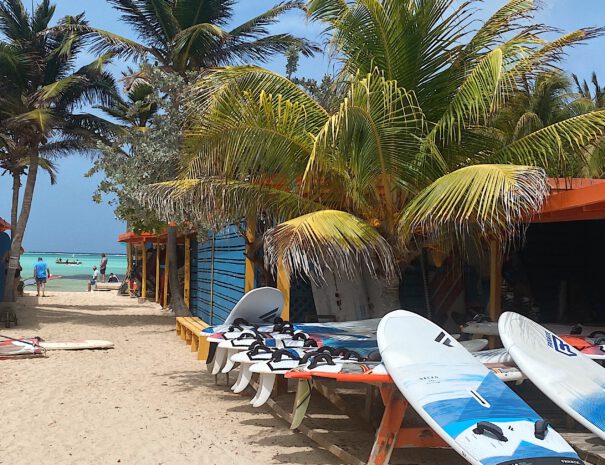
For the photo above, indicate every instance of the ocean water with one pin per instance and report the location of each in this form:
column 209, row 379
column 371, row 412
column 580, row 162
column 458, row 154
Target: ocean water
column 74, row 278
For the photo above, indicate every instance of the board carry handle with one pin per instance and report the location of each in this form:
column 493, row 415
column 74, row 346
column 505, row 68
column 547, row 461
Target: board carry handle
column 258, row 348
column 249, row 336
column 316, row 360
column 307, row 356
column 495, row 430
column 300, row 336
column 310, row 343
column 331, row 350
column 351, row 354
column 375, row 356
column 233, row 327
column 241, row 321
column 540, row 429
column 278, row 354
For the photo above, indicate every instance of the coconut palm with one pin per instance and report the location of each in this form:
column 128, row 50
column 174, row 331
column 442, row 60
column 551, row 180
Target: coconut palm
column 190, row 34
column 410, row 158
column 41, row 91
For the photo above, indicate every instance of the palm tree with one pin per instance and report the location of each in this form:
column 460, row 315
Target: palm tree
column 410, row 158
column 189, row 34
column 40, row 92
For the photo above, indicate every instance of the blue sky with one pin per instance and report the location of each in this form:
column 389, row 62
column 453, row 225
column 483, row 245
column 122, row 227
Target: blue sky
column 64, row 218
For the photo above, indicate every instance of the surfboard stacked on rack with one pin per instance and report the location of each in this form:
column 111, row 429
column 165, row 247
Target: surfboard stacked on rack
column 458, row 389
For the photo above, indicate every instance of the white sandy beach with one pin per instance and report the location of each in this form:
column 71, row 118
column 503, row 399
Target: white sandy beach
column 148, row 401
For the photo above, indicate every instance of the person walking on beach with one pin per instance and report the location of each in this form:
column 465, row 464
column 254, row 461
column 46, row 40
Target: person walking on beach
column 103, row 266
column 93, row 280
column 41, row 273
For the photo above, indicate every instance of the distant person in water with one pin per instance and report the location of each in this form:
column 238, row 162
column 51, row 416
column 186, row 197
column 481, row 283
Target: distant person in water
column 41, row 273
column 93, row 279
column 103, row 266
column 112, row 278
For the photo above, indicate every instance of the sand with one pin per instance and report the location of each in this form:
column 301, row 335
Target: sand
column 148, row 401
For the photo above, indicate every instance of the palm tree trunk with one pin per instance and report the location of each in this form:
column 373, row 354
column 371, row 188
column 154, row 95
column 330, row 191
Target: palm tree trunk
column 19, row 230
column 15, row 204
column 176, row 297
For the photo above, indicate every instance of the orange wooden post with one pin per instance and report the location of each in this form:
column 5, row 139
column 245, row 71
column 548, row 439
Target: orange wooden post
column 187, row 283
column 250, row 234
column 158, row 250
column 386, row 436
column 495, row 284
column 166, row 270
column 144, row 273
column 283, row 284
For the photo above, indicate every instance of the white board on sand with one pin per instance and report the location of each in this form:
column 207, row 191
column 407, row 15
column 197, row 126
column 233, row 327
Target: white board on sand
column 258, row 306
column 462, row 400
column 570, row 379
column 77, row 345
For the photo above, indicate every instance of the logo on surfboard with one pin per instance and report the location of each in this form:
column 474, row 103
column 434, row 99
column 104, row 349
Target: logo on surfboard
column 269, row 316
column 559, row 345
column 446, row 341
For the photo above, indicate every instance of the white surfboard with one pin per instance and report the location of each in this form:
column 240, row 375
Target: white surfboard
column 490, row 328
column 462, row 400
column 77, row 345
column 259, row 306
column 571, row 380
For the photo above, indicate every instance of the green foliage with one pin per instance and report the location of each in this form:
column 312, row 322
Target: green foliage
column 190, row 34
column 417, row 149
column 147, row 150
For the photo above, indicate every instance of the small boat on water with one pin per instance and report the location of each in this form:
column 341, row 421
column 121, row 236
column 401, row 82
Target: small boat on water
column 60, row 261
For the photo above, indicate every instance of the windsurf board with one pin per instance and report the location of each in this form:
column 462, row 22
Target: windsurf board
column 571, row 380
column 462, row 400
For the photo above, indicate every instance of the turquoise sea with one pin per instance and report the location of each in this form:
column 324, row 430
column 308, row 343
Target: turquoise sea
column 74, row 278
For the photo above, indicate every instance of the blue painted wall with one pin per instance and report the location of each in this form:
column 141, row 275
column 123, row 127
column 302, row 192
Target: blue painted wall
column 220, row 274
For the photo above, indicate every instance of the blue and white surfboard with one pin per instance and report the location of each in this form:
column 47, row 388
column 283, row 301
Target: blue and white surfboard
column 463, row 401
column 569, row 378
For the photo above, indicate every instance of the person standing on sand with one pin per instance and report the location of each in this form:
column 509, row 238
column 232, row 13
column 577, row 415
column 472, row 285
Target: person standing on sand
column 41, row 273
column 103, row 266
column 93, row 280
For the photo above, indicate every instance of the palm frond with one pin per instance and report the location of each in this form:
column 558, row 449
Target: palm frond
column 194, row 42
column 328, row 239
column 477, row 98
column 50, row 168
column 259, row 26
column 504, row 21
column 553, row 146
column 368, row 143
column 528, row 123
column 191, row 12
column 216, row 201
column 494, row 199
column 261, row 50
column 14, row 20
column 152, row 19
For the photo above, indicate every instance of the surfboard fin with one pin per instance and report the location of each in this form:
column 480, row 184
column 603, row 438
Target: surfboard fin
column 301, row 402
column 243, row 380
column 219, row 360
column 265, row 387
column 229, row 364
